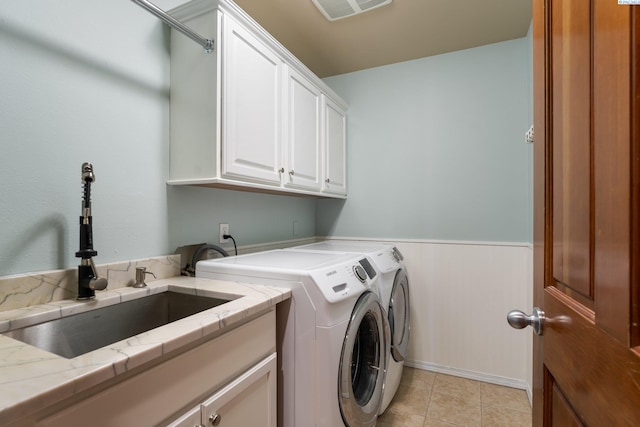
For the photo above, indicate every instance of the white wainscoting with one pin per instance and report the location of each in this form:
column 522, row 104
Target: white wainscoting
column 461, row 293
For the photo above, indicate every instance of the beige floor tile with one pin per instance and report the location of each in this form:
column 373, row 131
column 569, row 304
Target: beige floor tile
column 495, row 416
column 410, row 401
column 427, row 399
column 457, row 386
column 390, row 419
column 438, row 423
column 505, row 397
column 458, row 410
column 417, row 377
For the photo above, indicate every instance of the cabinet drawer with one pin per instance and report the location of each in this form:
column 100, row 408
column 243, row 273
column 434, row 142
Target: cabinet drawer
column 160, row 392
column 188, row 419
column 250, row 400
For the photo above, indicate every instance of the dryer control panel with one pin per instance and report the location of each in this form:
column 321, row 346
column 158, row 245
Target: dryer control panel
column 387, row 260
column 344, row 281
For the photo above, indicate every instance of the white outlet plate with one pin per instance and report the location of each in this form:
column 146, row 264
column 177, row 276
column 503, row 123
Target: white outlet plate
column 224, row 229
column 528, row 136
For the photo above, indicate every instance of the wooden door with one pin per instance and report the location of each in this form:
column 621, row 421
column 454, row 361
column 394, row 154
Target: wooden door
column 586, row 213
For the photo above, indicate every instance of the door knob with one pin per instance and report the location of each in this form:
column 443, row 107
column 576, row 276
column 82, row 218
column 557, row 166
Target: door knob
column 519, row 320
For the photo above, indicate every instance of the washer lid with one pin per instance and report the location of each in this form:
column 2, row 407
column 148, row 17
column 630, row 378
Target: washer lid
column 382, row 255
column 275, row 260
column 340, row 246
column 334, row 274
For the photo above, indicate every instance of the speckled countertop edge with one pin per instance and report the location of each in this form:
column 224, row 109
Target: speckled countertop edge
column 32, row 379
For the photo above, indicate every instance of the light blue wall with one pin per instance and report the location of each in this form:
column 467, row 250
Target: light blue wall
column 436, row 149
column 435, row 145
column 88, row 80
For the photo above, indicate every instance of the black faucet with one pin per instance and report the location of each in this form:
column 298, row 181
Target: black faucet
column 88, row 280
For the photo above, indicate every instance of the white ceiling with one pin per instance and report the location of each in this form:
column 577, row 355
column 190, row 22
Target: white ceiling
column 401, row 31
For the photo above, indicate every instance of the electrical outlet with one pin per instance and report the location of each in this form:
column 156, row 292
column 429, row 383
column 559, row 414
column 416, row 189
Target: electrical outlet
column 528, row 136
column 224, row 229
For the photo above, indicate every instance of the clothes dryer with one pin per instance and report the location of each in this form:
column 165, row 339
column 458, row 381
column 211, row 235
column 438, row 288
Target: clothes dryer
column 332, row 335
column 393, row 284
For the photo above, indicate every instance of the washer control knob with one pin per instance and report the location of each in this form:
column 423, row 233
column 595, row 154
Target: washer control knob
column 360, row 273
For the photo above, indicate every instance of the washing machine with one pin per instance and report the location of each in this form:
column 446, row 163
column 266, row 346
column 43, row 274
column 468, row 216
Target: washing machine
column 393, row 284
column 332, row 335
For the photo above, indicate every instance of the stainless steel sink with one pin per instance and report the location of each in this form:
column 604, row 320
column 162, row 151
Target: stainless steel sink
column 81, row 333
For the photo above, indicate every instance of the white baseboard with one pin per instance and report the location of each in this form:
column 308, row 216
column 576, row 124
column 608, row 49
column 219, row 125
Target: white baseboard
column 260, row 247
column 478, row 376
column 428, row 241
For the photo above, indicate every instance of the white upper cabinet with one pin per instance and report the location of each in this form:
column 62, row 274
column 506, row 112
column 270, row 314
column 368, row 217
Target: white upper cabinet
column 335, row 149
column 303, row 132
column 249, row 115
column 252, row 100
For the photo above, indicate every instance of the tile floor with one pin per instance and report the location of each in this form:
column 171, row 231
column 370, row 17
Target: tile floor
column 428, row 399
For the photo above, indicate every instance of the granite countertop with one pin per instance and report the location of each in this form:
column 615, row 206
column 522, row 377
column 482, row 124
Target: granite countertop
column 32, row 379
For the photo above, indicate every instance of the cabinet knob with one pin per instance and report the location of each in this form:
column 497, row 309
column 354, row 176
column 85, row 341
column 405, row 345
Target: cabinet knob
column 281, row 170
column 291, row 172
column 327, row 180
column 215, row 419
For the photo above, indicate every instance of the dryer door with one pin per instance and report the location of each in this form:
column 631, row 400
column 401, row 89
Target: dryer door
column 399, row 321
column 362, row 363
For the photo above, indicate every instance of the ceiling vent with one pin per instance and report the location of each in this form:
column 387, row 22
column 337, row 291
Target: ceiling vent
column 338, row 9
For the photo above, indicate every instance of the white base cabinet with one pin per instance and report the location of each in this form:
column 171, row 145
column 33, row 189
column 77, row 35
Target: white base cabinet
column 250, row 115
column 233, row 375
column 250, row 400
column 192, row 418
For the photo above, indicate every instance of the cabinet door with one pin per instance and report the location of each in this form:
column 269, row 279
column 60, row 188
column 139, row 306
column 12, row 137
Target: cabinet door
column 189, row 419
column 335, row 149
column 251, row 98
column 303, row 106
column 250, row 400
